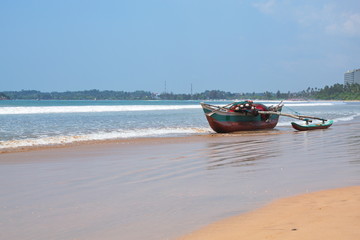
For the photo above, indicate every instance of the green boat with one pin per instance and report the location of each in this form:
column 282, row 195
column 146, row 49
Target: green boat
column 324, row 125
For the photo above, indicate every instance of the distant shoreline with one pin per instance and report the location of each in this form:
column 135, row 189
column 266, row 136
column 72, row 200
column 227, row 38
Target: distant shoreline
column 204, row 100
column 335, row 92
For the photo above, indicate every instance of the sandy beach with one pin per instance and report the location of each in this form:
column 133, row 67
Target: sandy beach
column 165, row 188
column 330, row 214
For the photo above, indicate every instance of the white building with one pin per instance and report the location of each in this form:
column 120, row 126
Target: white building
column 352, row 76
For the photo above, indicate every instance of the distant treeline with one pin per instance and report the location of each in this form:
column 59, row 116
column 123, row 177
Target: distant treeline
column 335, row 92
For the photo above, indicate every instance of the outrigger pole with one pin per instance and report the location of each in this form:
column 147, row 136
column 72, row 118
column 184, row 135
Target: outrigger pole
column 300, row 117
column 218, row 108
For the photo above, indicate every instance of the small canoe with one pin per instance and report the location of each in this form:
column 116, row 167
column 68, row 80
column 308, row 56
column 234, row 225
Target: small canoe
column 308, row 127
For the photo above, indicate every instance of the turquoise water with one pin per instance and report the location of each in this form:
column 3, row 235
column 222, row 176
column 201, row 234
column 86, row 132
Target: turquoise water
column 34, row 123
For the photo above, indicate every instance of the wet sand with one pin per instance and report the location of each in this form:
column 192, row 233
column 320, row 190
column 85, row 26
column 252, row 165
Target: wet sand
column 332, row 215
column 167, row 187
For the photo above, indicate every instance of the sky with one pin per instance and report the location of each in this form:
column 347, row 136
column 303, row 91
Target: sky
column 229, row 45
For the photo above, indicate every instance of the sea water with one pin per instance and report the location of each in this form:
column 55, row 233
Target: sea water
column 27, row 123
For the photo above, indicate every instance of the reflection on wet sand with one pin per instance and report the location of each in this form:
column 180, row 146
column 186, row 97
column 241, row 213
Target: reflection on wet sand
column 353, row 145
column 240, row 153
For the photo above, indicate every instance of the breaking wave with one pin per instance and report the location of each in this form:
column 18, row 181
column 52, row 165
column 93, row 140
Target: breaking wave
column 138, row 133
column 123, row 108
column 347, row 118
column 311, row 104
column 92, row 109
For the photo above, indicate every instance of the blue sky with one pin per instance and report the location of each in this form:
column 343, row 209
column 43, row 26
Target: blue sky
column 230, row 45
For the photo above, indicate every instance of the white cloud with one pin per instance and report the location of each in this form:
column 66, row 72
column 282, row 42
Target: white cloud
column 329, row 18
column 265, row 6
column 310, row 15
column 348, row 24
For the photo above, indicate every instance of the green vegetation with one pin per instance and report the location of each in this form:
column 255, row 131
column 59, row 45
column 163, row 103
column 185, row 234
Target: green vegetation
column 339, row 92
column 3, row 96
column 80, row 95
column 335, row 92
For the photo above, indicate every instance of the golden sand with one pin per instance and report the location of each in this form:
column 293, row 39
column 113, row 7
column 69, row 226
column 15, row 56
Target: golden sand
column 331, row 215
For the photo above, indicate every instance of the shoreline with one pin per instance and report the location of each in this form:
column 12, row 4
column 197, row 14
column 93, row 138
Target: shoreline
column 328, row 214
column 143, row 140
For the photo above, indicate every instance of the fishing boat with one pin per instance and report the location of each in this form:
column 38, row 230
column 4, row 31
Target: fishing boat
column 241, row 116
column 248, row 115
column 324, row 125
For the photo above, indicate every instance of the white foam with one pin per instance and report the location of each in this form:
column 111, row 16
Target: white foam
column 305, row 104
column 129, row 108
column 346, row 118
column 93, row 109
column 139, row 133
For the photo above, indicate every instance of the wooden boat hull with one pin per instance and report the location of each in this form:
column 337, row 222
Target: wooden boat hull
column 312, row 126
column 225, row 122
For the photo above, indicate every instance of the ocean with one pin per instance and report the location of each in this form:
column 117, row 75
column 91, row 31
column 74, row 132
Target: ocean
column 31, row 123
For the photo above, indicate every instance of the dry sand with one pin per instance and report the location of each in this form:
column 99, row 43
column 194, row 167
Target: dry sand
column 331, row 215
